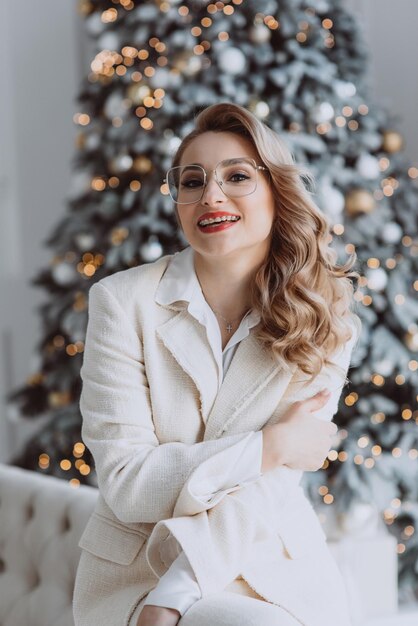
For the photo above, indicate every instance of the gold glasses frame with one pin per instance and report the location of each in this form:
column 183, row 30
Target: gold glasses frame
column 219, row 182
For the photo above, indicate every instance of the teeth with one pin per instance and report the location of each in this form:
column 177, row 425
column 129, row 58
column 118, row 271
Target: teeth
column 219, row 220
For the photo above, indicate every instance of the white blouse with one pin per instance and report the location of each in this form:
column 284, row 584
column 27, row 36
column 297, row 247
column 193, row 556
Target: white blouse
column 178, row 588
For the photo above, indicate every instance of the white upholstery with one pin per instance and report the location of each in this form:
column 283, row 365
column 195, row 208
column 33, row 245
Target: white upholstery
column 41, row 521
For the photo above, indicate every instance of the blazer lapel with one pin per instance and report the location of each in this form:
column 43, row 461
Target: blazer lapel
column 186, row 339
column 251, row 369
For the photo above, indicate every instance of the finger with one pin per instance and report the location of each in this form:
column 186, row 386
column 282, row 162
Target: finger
column 317, row 401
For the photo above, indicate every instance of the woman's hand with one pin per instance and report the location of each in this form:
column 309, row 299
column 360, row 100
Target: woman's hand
column 152, row 615
column 299, row 440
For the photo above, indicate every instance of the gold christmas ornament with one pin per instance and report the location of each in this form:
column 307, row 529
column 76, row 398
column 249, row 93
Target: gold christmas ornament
column 142, row 164
column 58, row 399
column 85, row 7
column 392, row 141
column 411, row 341
column 359, row 201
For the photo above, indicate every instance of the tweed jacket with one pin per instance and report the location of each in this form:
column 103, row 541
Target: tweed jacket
column 156, row 423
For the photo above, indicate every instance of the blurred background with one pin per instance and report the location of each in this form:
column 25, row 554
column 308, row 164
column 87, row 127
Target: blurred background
column 347, row 107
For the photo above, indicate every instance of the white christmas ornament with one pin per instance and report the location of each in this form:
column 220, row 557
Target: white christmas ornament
column 108, row 41
column 232, row 61
column 94, row 24
column 391, row 233
column 64, row 273
column 170, row 144
column 80, row 183
column 332, row 200
column 92, row 141
column 368, row 166
column 84, row 241
column 260, row 33
column 260, row 109
column 115, row 106
column 151, row 250
column 376, row 278
column 160, row 78
column 384, row 367
column 344, row 89
column 122, row 163
column 322, row 112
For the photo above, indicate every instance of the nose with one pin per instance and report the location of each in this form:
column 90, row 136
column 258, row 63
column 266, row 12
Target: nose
column 212, row 193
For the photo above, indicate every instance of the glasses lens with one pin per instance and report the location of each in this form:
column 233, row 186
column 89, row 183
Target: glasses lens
column 186, row 183
column 238, row 177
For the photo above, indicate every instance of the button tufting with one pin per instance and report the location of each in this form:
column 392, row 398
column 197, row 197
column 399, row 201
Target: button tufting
column 66, row 524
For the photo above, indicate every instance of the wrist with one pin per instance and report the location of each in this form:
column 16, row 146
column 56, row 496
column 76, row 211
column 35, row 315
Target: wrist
column 274, row 447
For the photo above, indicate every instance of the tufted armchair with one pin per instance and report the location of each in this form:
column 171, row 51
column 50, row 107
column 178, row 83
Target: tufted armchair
column 41, row 521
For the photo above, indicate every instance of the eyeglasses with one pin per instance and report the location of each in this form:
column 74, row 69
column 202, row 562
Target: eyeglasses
column 236, row 178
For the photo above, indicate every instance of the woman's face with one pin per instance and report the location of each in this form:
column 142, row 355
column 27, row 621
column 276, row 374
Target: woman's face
column 251, row 233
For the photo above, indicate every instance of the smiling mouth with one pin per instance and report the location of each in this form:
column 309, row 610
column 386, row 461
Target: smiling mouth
column 218, row 220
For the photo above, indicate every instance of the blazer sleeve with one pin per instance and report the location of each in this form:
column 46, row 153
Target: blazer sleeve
column 139, row 478
column 234, row 524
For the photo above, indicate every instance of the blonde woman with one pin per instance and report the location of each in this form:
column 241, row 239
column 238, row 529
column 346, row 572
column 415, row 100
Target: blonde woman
column 202, row 399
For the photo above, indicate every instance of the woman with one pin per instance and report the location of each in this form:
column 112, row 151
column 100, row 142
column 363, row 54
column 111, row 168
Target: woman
column 201, row 399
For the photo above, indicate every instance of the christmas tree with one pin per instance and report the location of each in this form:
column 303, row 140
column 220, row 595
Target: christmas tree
column 300, row 66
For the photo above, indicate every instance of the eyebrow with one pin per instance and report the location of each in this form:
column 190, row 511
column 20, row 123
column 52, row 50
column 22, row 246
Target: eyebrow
column 227, row 161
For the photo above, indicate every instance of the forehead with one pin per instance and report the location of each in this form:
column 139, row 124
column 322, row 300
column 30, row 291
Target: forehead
column 211, row 147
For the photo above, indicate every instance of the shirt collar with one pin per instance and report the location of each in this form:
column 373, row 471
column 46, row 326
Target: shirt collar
column 180, row 282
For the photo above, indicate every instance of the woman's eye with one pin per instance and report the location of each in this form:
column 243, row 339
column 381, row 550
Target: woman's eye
column 238, row 177
column 191, row 183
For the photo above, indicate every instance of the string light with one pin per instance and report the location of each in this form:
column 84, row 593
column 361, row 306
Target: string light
column 44, row 461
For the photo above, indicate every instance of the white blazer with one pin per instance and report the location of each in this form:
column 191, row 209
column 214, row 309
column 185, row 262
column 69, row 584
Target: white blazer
column 157, row 424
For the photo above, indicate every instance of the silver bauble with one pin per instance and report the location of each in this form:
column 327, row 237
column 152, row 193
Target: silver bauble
column 151, row 250
column 332, row 200
column 322, row 112
column 344, row 89
column 80, row 183
column 64, row 273
column 84, row 241
column 391, row 232
column 232, row 61
column 108, row 41
column 376, row 278
column 368, row 166
column 260, row 109
column 259, row 33
column 121, row 163
column 115, row 105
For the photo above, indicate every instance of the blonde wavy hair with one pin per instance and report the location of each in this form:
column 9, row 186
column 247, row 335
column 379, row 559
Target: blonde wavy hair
column 304, row 297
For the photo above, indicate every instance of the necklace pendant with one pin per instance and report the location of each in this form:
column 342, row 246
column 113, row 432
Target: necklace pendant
column 229, row 328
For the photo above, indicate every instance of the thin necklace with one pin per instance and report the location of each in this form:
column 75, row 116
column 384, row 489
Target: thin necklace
column 228, row 323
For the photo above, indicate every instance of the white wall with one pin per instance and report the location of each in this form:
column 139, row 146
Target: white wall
column 44, row 56
column 40, row 59
column 391, row 33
